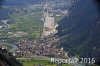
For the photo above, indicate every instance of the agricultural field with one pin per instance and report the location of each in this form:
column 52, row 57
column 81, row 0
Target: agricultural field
column 24, row 25
column 29, row 23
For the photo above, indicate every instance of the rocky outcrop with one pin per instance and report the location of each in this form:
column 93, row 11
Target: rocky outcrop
column 7, row 59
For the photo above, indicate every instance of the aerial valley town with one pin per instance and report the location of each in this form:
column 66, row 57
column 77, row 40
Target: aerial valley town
column 29, row 32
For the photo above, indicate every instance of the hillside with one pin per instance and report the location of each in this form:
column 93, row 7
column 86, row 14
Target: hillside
column 80, row 32
column 7, row 59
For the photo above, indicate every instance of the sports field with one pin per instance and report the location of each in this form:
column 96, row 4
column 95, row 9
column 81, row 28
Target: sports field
column 36, row 60
column 41, row 63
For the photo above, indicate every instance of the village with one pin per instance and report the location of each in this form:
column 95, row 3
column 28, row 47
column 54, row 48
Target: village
column 46, row 45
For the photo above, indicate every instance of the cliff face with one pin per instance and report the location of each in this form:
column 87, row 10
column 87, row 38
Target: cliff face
column 80, row 32
column 7, row 59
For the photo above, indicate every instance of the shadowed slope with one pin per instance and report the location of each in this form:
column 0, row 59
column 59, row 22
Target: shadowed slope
column 81, row 30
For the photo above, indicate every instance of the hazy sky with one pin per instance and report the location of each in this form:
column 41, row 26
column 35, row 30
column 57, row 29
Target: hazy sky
column 1, row 2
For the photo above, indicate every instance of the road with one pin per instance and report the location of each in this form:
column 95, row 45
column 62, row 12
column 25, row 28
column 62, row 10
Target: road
column 14, row 47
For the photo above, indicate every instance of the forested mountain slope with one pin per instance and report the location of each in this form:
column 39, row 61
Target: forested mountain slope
column 80, row 32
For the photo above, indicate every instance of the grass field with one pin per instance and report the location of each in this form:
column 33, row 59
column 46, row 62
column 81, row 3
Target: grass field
column 38, row 60
column 58, row 18
column 45, row 61
column 42, row 62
